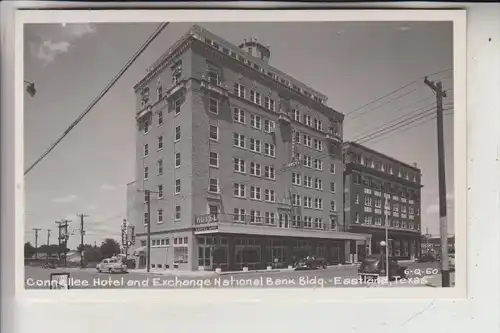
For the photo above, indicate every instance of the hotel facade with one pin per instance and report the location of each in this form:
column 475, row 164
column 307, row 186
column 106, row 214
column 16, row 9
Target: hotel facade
column 378, row 188
column 243, row 161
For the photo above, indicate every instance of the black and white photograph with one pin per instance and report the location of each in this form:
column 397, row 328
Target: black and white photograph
column 188, row 154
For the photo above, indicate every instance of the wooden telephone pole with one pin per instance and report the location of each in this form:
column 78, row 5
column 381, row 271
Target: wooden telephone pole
column 148, row 210
column 36, row 230
column 443, row 224
column 82, row 232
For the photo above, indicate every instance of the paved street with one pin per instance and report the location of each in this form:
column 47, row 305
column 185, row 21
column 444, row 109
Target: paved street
column 345, row 276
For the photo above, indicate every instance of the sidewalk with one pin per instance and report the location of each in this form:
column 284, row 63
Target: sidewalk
column 173, row 272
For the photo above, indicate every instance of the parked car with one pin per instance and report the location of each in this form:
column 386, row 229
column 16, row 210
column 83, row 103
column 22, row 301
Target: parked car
column 310, row 263
column 374, row 266
column 427, row 258
column 111, row 265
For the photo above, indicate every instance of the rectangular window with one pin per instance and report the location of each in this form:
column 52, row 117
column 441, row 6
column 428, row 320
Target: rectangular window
column 255, row 216
column 269, row 126
column 308, row 181
column 214, row 133
column 177, row 186
column 307, row 202
column 332, row 187
column 269, row 173
column 307, row 120
column 177, row 160
column 269, row 150
column 146, row 218
column 160, row 191
column 255, row 169
column 295, row 199
column 239, row 115
column 318, row 164
column 368, row 219
column 239, row 215
column 307, row 141
column 160, row 167
column 269, row 195
column 177, row 105
column 356, row 200
column 295, row 178
column 238, row 140
column 239, row 165
column 146, row 150
column 160, row 118
column 255, row 97
column 255, row 193
column 296, row 114
column 378, row 202
column 213, row 77
column 146, row 173
column 177, row 133
column 255, row 145
column 332, row 168
column 368, row 201
column 146, row 126
column 160, row 142
column 333, row 206
column 214, row 159
column 177, row 212
column 255, row 121
column 160, row 215
column 214, row 185
column 318, row 203
column 213, row 105
column 318, row 144
column 269, row 104
column 270, row 218
column 307, row 162
column 318, row 184
column 239, row 190
column 239, row 90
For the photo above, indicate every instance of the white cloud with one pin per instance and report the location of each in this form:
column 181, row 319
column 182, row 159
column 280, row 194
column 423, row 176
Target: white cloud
column 108, row 187
column 65, row 199
column 49, row 48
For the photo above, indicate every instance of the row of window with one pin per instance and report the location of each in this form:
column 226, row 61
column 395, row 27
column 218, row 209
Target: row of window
column 398, row 190
column 160, row 165
column 276, row 77
column 166, row 241
column 385, row 167
column 284, row 220
column 255, row 97
column 256, row 122
column 176, row 78
column 377, row 220
column 254, row 145
column 308, row 141
column 160, row 215
column 378, row 204
column 240, row 191
column 307, row 181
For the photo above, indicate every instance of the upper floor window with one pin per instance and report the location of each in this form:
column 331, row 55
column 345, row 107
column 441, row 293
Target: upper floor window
column 239, row 90
column 255, row 97
column 176, row 72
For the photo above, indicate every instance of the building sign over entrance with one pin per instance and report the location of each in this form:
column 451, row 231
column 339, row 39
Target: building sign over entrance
column 208, row 228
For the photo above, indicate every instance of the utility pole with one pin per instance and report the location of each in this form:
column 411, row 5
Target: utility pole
column 63, row 225
column 36, row 241
column 148, row 210
column 59, row 237
column 82, row 232
column 48, row 243
column 443, row 224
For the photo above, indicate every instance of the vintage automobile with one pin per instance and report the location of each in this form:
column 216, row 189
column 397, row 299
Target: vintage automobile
column 310, row 263
column 427, row 258
column 374, row 266
column 111, row 265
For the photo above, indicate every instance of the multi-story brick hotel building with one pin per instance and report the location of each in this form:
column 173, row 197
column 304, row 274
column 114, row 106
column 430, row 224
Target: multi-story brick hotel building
column 245, row 162
column 376, row 186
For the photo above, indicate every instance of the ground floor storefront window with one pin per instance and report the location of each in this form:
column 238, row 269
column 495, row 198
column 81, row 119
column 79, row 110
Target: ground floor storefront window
column 247, row 252
column 212, row 252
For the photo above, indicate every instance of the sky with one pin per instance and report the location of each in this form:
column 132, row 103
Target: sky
column 353, row 63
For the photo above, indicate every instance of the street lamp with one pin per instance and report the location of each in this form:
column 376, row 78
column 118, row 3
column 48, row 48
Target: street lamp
column 30, row 88
column 383, row 245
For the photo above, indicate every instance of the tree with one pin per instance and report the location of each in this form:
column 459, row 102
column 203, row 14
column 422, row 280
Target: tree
column 29, row 250
column 109, row 248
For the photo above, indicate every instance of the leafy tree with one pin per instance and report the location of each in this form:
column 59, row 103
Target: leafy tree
column 109, row 248
column 29, row 250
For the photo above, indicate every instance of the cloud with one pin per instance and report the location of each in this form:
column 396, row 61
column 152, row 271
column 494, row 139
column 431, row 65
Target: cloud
column 65, row 199
column 108, row 187
column 59, row 41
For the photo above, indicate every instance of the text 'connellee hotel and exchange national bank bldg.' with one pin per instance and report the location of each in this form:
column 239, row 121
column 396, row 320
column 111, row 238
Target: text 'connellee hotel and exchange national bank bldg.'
column 245, row 162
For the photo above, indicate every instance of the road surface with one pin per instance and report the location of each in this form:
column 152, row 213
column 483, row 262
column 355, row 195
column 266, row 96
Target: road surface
column 345, row 276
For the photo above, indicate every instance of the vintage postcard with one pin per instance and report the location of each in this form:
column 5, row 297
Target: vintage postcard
column 242, row 151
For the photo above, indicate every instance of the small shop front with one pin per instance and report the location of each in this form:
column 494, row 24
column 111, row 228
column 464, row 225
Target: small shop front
column 400, row 246
column 235, row 251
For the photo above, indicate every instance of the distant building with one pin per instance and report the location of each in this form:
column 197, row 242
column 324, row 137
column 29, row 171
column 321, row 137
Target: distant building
column 243, row 160
column 375, row 184
column 433, row 244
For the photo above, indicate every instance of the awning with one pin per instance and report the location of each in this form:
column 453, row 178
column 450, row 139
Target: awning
column 139, row 251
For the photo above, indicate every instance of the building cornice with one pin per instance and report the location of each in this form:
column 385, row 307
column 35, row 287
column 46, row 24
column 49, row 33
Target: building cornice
column 349, row 167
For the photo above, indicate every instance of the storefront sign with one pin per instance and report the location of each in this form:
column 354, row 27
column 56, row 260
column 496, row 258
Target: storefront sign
column 214, row 227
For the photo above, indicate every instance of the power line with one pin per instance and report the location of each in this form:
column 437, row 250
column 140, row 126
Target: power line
column 395, row 91
column 101, row 94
